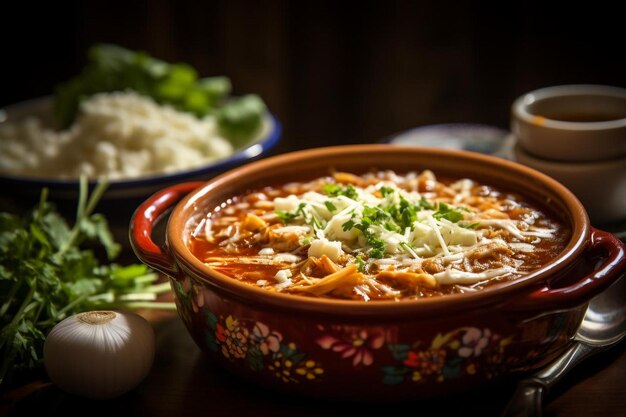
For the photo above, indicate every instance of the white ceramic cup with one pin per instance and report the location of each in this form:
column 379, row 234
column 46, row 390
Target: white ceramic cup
column 599, row 185
column 580, row 122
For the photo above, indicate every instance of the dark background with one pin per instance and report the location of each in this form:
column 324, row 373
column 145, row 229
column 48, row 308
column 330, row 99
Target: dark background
column 334, row 72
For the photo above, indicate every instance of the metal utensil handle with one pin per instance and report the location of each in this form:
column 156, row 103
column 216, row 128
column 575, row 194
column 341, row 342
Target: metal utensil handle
column 528, row 398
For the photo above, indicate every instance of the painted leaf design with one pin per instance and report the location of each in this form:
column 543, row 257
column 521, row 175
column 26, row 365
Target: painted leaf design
column 211, row 319
column 399, row 351
column 211, row 342
column 254, row 358
column 394, row 374
column 231, row 323
column 452, row 368
column 298, row 357
column 441, row 340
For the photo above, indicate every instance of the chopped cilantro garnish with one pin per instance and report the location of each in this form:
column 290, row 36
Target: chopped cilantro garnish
column 407, row 246
column 330, row 206
column 315, row 222
column 308, row 217
column 444, row 211
column 290, row 216
column 392, row 227
column 396, row 213
column 335, row 190
column 378, row 247
column 350, row 192
column 407, row 217
column 424, row 204
column 385, row 191
column 331, row 189
column 403, row 214
column 360, row 262
column 374, row 214
column 370, row 216
column 286, row 216
column 348, row 225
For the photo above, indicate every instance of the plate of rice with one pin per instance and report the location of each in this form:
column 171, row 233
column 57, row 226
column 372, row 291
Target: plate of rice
column 123, row 137
column 134, row 121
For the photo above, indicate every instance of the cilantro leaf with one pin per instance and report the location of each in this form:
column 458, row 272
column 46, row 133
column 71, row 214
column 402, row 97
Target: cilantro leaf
column 360, row 262
column 447, row 212
column 334, row 190
column 286, row 216
column 330, row 206
column 385, row 191
column 349, row 224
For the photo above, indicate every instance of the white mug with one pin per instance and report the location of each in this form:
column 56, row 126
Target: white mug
column 572, row 122
column 577, row 135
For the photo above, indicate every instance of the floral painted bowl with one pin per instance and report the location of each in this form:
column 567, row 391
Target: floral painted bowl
column 383, row 350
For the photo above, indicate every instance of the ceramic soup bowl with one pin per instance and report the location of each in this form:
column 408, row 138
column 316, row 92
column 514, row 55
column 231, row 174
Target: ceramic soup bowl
column 383, row 350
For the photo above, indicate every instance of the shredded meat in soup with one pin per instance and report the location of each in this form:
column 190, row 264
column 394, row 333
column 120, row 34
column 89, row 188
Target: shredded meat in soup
column 377, row 236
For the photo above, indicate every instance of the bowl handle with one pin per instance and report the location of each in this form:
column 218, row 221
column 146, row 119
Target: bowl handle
column 146, row 217
column 589, row 286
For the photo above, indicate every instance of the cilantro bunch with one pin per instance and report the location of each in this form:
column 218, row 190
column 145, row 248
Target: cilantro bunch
column 113, row 68
column 49, row 271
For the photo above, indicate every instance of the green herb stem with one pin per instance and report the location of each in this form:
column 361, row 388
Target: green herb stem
column 144, row 296
column 10, row 297
column 150, row 305
column 62, row 312
column 25, row 303
column 158, row 288
column 96, row 195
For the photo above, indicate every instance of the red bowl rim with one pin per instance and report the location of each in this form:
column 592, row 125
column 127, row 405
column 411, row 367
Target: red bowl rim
column 248, row 294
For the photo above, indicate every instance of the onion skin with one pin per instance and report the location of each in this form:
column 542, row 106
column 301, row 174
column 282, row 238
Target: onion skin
column 99, row 355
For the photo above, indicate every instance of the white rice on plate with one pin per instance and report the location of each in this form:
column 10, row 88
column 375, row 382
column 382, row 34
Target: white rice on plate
column 117, row 135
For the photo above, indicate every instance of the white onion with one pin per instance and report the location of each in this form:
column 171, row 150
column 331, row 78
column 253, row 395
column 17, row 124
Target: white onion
column 99, row 354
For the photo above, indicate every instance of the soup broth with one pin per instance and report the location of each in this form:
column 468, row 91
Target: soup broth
column 377, row 236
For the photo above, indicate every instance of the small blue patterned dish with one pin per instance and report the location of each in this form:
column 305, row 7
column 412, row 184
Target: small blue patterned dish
column 480, row 138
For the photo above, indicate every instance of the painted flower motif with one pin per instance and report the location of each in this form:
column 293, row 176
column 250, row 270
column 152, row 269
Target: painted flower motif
column 253, row 344
column 220, row 332
column 310, row 370
column 354, row 343
column 416, row 376
column 197, row 298
column 459, row 353
column 428, row 362
column 266, row 339
column 413, row 359
column 282, row 368
column 234, row 338
column 474, row 341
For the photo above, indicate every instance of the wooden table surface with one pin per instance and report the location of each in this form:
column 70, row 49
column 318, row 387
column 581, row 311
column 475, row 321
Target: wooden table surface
column 182, row 382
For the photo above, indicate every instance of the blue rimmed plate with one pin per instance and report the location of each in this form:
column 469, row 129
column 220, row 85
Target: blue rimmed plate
column 123, row 195
column 473, row 137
